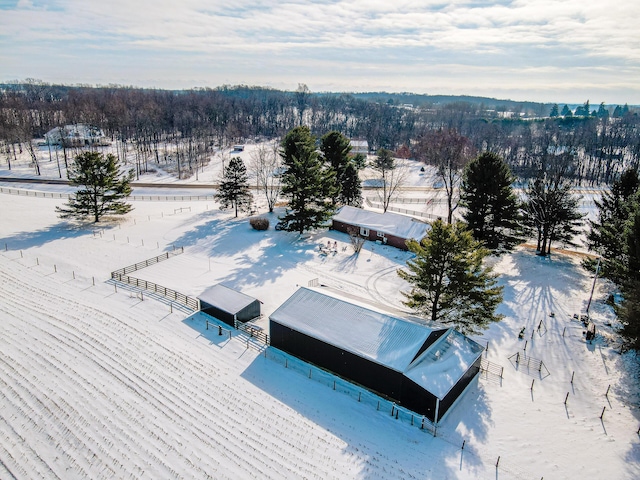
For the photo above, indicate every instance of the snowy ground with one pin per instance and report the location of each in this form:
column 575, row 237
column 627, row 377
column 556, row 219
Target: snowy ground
column 100, row 384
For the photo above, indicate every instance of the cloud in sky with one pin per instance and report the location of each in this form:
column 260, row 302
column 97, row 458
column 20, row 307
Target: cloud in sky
column 545, row 50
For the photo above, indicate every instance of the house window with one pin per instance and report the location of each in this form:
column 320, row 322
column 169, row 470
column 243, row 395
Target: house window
column 364, row 231
column 381, row 234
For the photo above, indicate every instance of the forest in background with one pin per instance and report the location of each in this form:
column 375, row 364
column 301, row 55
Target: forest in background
column 594, row 145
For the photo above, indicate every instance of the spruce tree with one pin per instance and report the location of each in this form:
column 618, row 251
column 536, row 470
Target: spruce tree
column 449, row 283
column 629, row 310
column 604, row 237
column 552, row 211
column 492, row 208
column 234, row 187
column 103, row 189
column 308, row 183
column 336, row 149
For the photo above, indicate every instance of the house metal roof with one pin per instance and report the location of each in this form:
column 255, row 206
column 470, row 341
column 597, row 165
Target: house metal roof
column 382, row 338
column 390, row 223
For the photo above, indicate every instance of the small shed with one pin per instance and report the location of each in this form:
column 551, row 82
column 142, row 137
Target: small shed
column 388, row 228
column 228, row 305
column 424, row 368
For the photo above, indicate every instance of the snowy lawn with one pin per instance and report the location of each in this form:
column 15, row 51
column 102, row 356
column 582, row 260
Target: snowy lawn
column 99, row 384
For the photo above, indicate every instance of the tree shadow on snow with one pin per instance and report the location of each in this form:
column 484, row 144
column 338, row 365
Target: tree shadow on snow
column 259, row 257
column 37, row 238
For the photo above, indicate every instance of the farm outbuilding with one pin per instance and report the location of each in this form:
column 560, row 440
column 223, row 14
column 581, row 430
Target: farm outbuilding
column 388, row 228
column 424, row 368
column 228, row 305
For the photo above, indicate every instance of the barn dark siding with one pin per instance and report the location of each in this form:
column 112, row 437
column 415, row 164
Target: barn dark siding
column 380, row 379
column 458, row 388
column 365, row 372
column 216, row 312
column 245, row 314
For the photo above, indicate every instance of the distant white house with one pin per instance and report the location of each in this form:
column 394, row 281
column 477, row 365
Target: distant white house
column 359, row 146
column 76, row 135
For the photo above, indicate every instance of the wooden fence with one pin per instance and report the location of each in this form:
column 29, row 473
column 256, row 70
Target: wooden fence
column 134, row 198
column 121, row 275
column 413, row 213
column 255, row 337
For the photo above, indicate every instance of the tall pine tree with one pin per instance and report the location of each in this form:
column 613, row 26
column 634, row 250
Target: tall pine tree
column 308, row 183
column 552, row 211
column 449, row 283
column 335, row 149
column 103, row 189
column 614, row 210
column 234, row 187
column 492, row 209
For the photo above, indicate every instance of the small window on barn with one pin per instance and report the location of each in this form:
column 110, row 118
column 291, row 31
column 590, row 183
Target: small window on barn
column 364, row 231
column 381, row 234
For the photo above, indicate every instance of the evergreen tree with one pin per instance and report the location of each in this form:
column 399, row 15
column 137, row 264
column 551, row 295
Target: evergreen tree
column 307, row 182
column 449, row 282
column 617, row 112
column 552, row 211
column 614, row 210
column 351, row 193
column 336, row 150
column 492, row 208
column 554, row 111
column 104, row 189
column 234, row 187
column 566, row 111
column 629, row 311
column 602, row 111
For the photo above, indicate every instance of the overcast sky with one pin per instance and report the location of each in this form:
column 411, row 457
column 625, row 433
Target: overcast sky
column 565, row 51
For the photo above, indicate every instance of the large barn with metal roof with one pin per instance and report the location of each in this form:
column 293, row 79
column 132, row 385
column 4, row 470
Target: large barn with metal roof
column 423, row 368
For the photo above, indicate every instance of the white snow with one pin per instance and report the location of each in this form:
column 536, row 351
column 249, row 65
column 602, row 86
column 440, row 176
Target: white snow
column 96, row 383
column 226, row 298
column 390, row 223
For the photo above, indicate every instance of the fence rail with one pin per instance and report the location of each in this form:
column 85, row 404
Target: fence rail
column 256, row 336
column 134, row 198
column 413, row 213
column 148, row 262
column 488, row 368
column 121, row 275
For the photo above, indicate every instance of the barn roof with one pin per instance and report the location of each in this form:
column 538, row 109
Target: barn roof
column 396, row 343
column 226, row 298
column 389, row 223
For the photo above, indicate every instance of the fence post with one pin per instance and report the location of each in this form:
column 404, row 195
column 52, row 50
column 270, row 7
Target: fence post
column 93, row 281
column 360, row 393
column 463, row 442
column 607, row 393
column 498, row 461
column 603, row 409
column 566, row 398
column 564, row 330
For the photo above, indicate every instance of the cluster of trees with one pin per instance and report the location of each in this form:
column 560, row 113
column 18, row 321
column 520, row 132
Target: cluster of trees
column 183, row 128
column 615, row 236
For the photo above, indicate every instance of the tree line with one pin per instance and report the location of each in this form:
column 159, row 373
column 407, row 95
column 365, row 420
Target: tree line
column 184, row 127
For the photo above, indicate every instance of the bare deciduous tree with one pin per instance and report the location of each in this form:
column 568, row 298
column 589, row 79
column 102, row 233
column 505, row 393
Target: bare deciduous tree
column 449, row 152
column 393, row 176
column 267, row 167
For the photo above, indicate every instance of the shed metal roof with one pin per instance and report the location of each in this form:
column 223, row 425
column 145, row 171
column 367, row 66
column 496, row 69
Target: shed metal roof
column 225, row 298
column 389, row 223
column 382, row 338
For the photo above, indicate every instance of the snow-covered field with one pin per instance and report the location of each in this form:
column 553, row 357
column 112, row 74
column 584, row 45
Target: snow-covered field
column 97, row 383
